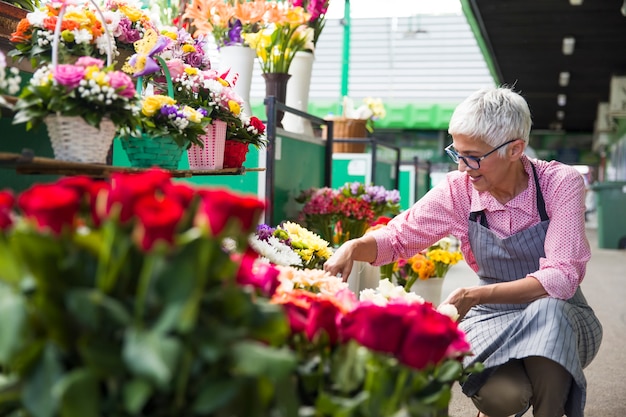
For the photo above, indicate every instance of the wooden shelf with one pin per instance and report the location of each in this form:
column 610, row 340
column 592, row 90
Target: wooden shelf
column 28, row 163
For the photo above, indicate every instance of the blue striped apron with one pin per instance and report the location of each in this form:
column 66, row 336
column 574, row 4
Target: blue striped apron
column 565, row 331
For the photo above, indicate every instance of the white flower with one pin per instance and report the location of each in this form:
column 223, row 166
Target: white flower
column 386, row 292
column 37, row 17
column 82, row 36
column 449, row 310
column 275, row 251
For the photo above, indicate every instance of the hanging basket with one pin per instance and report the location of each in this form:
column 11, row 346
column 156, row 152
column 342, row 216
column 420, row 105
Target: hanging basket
column 146, row 151
column 72, row 139
column 344, row 128
column 212, row 155
column 235, row 153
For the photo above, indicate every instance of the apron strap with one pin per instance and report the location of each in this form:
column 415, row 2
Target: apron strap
column 473, row 217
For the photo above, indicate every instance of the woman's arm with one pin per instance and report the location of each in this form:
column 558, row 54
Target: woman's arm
column 523, row 290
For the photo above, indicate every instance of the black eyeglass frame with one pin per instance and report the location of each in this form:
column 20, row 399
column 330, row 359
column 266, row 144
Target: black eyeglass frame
column 454, row 155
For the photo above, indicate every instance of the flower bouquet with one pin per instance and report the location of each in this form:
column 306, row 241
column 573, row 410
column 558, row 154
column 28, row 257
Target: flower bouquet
column 120, row 295
column 316, row 10
column 165, row 130
column 82, row 105
column 389, row 354
column 346, row 213
column 227, row 21
column 81, row 34
column 10, row 80
column 290, row 244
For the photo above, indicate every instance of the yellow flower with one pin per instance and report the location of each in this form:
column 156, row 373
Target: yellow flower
column 94, row 73
column 152, row 104
column 188, row 48
column 172, row 35
column 132, row 13
column 192, row 114
column 234, row 107
column 191, row 70
column 297, row 16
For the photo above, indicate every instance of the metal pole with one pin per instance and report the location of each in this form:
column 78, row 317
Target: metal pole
column 345, row 62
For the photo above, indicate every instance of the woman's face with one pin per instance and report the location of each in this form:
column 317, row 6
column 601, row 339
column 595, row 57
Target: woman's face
column 494, row 169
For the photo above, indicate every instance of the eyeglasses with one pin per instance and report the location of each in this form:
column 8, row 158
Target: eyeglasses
column 472, row 162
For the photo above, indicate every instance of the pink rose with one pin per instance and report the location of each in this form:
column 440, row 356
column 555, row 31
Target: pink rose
column 87, row 61
column 262, row 276
column 323, row 316
column 122, row 83
column 68, row 76
column 176, row 68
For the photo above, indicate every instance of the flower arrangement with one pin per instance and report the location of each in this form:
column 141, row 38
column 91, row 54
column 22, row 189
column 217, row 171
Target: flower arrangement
column 317, row 14
column 127, row 22
column 279, row 245
column 284, row 32
column 87, row 89
column 87, row 286
column 435, row 262
column 162, row 116
column 363, row 358
column 228, row 21
column 82, row 34
column 10, row 80
column 346, row 213
column 371, row 110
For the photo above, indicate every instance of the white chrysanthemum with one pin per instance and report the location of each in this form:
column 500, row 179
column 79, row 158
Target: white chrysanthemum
column 37, row 17
column 374, row 296
column 449, row 310
column 275, row 251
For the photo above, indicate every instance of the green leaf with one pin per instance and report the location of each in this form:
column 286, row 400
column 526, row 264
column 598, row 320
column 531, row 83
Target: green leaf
column 256, row 359
column 214, row 395
column 449, row 371
column 12, row 317
column 37, row 394
column 78, row 394
column 151, row 355
column 136, row 394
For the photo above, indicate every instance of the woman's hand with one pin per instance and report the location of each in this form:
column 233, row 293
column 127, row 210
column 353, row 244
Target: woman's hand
column 340, row 263
column 463, row 299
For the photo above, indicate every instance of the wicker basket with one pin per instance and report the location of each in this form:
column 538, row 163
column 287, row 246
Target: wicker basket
column 146, row 151
column 74, row 140
column 212, row 155
column 344, row 128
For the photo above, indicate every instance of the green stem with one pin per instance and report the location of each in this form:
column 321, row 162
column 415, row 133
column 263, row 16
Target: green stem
column 145, row 277
column 392, row 405
column 410, row 282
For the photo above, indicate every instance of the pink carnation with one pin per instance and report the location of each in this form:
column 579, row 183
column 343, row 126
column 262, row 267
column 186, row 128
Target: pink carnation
column 122, row 83
column 176, row 68
column 87, row 61
column 68, row 76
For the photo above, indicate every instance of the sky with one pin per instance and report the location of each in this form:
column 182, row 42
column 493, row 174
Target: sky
column 372, row 8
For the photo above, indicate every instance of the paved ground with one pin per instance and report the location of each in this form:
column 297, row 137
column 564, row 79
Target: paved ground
column 605, row 289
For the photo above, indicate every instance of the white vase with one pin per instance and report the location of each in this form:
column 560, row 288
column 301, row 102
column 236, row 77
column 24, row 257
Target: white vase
column 301, row 69
column 240, row 60
column 363, row 276
column 429, row 289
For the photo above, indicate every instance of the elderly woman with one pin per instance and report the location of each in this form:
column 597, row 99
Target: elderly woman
column 521, row 225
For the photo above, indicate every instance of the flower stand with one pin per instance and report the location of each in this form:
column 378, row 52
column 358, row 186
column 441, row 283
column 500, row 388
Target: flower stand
column 235, row 154
column 212, row 155
column 429, row 289
column 146, row 152
column 74, row 140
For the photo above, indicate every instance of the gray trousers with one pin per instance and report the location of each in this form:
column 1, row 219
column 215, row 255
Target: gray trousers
column 515, row 386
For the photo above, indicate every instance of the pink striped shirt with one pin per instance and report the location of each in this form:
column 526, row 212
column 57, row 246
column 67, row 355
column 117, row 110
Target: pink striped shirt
column 445, row 211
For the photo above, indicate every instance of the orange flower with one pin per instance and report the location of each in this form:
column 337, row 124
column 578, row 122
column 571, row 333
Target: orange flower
column 275, row 14
column 250, row 12
column 22, row 32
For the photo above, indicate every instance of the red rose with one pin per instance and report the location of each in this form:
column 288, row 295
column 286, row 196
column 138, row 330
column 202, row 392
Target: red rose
column 157, row 220
column 52, row 206
column 182, row 193
column 126, row 189
column 257, row 124
column 7, row 201
column 432, row 332
column 218, row 207
column 380, row 328
column 323, row 315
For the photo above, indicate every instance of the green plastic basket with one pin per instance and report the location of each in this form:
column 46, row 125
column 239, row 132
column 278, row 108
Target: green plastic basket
column 146, row 152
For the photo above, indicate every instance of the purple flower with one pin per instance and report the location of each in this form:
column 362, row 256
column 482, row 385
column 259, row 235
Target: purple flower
column 127, row 33
column 263, row 232
column 234, row 33
column 195, row 59
column 68, row 76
